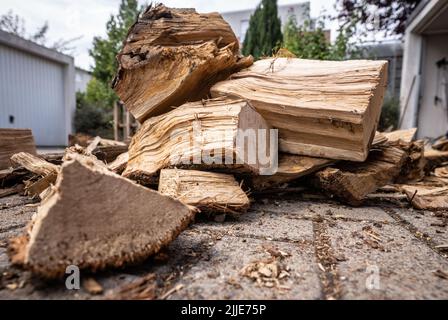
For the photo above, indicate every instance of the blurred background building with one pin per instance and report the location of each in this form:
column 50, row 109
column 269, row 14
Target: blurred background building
column 239, row 20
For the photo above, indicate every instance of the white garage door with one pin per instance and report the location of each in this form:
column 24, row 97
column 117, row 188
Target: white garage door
column 32, row 96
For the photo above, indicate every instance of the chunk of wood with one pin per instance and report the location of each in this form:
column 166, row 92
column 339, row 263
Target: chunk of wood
column 13, row 141
column 173, row 56
column 290, row 167
column 10, row 191
column 413, row 168
column 324, row 109
column 441, row 144
column 35, row 164
column 427, row 197
column 441, row 172
column 435, row 158
column 406, row 136
column 352, row 182
column 209, row 192
column 96, row 219
column 119, row 164
column 200, row 135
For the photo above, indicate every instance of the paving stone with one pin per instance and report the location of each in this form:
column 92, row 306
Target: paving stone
column 428, row 223
column 219, row 277
column 406, row 267
column 263, row 225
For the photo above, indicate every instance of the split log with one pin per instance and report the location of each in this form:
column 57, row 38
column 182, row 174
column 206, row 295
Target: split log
column 406, row 136
column 413, row 168
column 174, row 56
column 352, row 182
column 200, row 135
column 119, row 165
column 427, row 197
column 435, row 158
column 441, row 172
column 290, row 168
column 13, row 141
column 47, row 173
column 441, row 144
column 95, row 219
column 209, row 192
column 35, row 164
column 324, row 109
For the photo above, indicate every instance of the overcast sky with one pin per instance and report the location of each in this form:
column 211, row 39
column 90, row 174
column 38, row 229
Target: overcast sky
column 87, row 18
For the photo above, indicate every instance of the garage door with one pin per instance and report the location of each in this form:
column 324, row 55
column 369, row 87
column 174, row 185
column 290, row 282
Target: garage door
column 32, row 96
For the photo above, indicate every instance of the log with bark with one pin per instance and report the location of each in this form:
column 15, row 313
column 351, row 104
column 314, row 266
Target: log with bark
column 201, row 135
column 290, row 167
column 13, row 141
column 95, row 219
column 352, row 182
column 174, row 56
column 324, row 109
column 209, row 192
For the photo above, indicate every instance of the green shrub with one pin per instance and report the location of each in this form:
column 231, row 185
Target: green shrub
column 92, row 119
column 390, row 114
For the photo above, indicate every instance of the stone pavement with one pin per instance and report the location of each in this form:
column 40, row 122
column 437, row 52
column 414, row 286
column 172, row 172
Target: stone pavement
column 328, row 251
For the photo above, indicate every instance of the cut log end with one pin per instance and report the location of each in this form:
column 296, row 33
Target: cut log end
column 96, row 219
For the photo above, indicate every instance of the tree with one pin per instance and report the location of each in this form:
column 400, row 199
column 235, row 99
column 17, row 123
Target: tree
column 264, row 34
column 311, row 43
column 105, row 50
column 387, row 16
column 14, row 24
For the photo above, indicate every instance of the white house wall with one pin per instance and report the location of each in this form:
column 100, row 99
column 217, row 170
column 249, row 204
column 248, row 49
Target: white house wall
column 432, row 116
column 32, row 96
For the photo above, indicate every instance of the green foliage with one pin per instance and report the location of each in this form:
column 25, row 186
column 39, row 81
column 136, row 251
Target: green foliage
column 91, row 119
column 311, row 43
column 105, row 50
column 99, row 94
column 390, row 114
column 264, row 35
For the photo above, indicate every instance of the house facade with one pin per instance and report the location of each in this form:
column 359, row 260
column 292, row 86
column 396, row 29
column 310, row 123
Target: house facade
column 37, row 90
column 424, row 86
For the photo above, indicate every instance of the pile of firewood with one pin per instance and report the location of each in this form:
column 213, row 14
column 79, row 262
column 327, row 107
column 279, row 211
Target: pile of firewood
column 182, row 77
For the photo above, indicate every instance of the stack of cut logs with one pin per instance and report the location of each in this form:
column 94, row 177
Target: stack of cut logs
column 182, row 77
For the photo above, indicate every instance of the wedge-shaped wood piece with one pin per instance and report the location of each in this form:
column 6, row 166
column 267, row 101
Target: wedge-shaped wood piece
column 352, row 182
column 173, row 56
column 209, row 192
column 290, row 167
column 13, row 141
column 213, row 134
column 427, row 197
column 325, row 109
column 96, row 219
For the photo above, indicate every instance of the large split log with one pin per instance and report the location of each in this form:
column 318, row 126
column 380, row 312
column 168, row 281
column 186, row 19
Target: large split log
column 202, row 135
column 209, row 192
column 325, row 109
column 96, row 219
column 290, row 168
column 352, row 182
column 173, row 56
column 13, row 141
